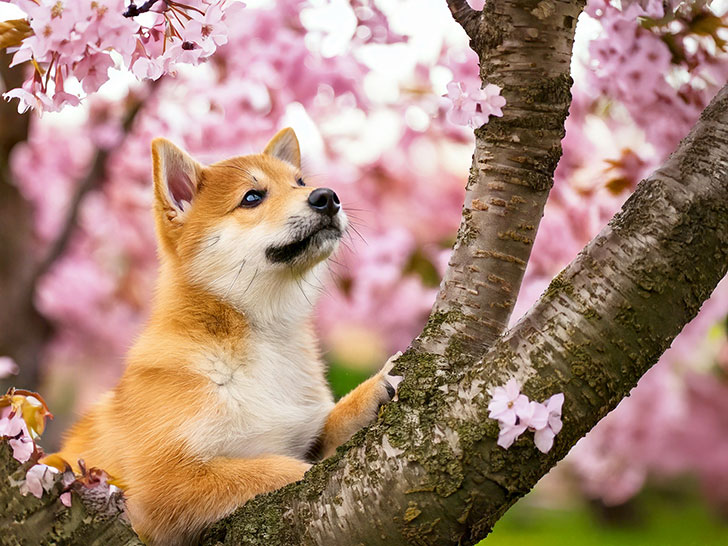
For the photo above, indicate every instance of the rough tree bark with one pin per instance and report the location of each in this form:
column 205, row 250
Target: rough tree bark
column 525, row 48
column 429, row 471
column 32, row 521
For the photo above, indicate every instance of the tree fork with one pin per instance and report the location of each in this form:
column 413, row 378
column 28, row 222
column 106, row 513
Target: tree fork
column 429, row 471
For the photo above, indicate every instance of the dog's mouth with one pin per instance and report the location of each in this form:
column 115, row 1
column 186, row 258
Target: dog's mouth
column 313, row 239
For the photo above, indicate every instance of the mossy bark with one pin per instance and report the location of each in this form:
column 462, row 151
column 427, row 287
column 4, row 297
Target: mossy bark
column 525, row 48
column 429, row 471
column 29, row 521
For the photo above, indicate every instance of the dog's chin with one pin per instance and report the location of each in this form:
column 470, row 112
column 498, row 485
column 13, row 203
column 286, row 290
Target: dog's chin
column 308, row 250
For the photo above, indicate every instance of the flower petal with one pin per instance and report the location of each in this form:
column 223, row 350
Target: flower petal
column 509, row 434
column 544, row 439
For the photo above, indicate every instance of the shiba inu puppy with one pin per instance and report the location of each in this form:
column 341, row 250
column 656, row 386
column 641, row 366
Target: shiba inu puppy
column 224, row 395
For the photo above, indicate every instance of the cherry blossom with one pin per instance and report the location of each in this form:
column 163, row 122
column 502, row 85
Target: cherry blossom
column 471, row 105
column 544, row 436
column 23, row 448
column 207, row 31
column 510, row 433
column 22, row 420
column 39, row 478
column 506, row 403
column 11, row 422
column 74, row 39
column 516, row 414
column 66, row 499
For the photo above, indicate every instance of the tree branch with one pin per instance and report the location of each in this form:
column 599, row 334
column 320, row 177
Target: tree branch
column 466, row 16
column 29, row 520
column 132, row 10
column 429, row 471
column 512, row 169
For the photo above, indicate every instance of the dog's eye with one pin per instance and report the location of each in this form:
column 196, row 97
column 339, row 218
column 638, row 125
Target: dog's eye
column 252, row 199
column 300, row 182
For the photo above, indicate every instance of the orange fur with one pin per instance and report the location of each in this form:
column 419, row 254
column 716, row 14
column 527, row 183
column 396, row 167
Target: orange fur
column 173, row 431
column 354, row 411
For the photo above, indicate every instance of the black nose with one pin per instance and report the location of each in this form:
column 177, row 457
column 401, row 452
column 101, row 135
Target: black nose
column 325, row 201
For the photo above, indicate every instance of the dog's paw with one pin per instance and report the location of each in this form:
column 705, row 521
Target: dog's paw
column 285, row 470
column 298, row 471
column 388, row 381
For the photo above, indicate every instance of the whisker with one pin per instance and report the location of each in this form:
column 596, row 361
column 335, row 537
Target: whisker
column 337, row 278
column 319, row 289
column 354, row 215
column 213, row 240
column 351, row 225
column 251, row 282
column 347, row 246
column 356, row 221
column 300, row 286
column 221, row 276
column 235, row 279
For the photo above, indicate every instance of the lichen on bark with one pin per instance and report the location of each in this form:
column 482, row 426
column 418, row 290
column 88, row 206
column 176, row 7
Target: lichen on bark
column 29, row 521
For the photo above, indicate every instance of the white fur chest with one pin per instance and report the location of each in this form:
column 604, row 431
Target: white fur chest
column 273, row 400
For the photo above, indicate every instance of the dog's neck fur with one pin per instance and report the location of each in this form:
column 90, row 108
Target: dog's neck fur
column 282, row 311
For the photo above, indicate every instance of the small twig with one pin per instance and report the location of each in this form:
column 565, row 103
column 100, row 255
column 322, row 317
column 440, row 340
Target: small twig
column 466, row 16
column 133, row 10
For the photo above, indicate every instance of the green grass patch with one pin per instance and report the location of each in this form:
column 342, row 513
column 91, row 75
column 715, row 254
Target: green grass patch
column 343, row 379
column 658, row 521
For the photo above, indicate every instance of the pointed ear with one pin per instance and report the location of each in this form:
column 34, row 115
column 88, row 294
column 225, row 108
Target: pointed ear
column 176, row 179
column 285, row 146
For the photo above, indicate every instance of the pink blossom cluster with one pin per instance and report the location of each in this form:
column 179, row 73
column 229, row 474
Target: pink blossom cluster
column 659, row 61
column 22, row 421
column 75, row 39
column 38, row 479
column 515, row 414
column 472, row 105
column 13, row 427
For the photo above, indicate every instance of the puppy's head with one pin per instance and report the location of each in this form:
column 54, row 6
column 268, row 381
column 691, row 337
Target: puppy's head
column 247, row 228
